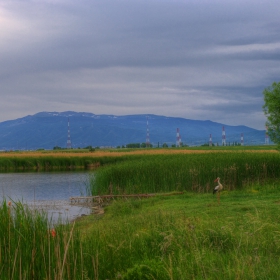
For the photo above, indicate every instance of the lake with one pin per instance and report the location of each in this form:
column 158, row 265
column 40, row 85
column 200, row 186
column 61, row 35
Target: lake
column 47, row 191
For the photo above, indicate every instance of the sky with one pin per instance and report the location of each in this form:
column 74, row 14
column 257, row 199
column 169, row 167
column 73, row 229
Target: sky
column 195, row 59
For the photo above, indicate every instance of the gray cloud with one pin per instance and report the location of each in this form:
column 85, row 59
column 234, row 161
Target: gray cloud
column 193, row 59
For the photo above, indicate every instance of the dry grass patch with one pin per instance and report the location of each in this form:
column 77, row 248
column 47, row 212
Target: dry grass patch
column 119, row 153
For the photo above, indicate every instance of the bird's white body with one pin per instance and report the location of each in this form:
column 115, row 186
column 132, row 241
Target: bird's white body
column 219, row 187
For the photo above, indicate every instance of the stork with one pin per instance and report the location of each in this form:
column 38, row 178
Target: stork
column 218, row 188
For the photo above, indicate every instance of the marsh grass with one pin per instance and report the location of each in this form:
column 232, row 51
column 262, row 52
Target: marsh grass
column 54, row 162
column 186, row 172
column 30, row 249
column 47, row 160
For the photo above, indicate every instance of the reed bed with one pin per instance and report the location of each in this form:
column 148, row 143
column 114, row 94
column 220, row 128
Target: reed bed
column 48, row 160
column 31, row 249
column 53, row 162
column 186, row 172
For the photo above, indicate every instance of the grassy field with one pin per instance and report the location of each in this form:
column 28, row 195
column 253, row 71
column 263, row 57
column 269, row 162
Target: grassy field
column 187, row 236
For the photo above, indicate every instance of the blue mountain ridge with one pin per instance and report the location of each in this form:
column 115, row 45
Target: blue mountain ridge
column 49, row 129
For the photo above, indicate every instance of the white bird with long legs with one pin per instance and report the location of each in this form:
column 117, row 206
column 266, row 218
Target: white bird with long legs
column 218, row 189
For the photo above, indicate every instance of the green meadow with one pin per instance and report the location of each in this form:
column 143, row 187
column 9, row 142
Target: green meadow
column 185, row 236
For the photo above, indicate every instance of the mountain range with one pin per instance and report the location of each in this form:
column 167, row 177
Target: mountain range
column 46, row 130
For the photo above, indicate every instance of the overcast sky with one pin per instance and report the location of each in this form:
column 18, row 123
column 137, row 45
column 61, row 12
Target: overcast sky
column 196, row 59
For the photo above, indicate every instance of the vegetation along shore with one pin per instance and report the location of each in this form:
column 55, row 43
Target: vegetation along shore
column 48, row 160
column 186, row 236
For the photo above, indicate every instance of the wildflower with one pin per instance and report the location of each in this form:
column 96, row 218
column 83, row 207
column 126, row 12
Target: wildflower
column 53, row 232
column 9, row 203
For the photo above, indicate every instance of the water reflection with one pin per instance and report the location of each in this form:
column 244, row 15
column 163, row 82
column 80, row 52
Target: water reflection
column 49, row 191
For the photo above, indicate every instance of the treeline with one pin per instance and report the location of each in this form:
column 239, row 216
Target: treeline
column 144, row 145
column 90, row 148
column 139, row 145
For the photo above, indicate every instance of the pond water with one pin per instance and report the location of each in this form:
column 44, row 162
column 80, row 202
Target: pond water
column 48, row 191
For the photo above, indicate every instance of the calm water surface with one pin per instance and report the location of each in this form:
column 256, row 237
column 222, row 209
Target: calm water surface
column 49, row 191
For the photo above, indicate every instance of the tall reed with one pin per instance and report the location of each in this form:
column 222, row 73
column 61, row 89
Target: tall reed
column 30, row 249
column 186, row 172
column 54, row 162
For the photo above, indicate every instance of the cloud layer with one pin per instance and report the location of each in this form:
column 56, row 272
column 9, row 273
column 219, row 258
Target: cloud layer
column 193, row 59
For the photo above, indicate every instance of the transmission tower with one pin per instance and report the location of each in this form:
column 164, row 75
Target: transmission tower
column 210, row 140
column 242, row 140
column 223, row 137
column 69, row 146
column 178, row 138
column 147, row 133
column 266, row 136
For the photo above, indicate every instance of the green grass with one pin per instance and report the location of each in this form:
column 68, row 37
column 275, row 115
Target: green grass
column 187, row 236
column 186, row 172
column 53, row 163
column 28, row 250
column 42, row 163
column 213, row 148
column 190, row 236
column 68, row 160
column 234, row 148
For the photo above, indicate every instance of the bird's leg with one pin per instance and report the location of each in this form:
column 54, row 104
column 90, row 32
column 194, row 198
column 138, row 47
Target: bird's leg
column 218, row 198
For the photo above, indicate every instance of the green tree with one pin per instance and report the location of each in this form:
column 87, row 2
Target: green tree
column 57, row 148
column 271, row 109
column 143, row 145
column 133, row 145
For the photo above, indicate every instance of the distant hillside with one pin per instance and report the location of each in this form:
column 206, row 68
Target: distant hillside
column 49, row 129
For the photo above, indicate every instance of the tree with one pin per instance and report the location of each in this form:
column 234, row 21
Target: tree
column 133, row 145
column 271, row 109
column 143, row 145
column 57, row 148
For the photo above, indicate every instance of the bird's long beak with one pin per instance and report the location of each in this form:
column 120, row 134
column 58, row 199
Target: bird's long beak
column 216, row 180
